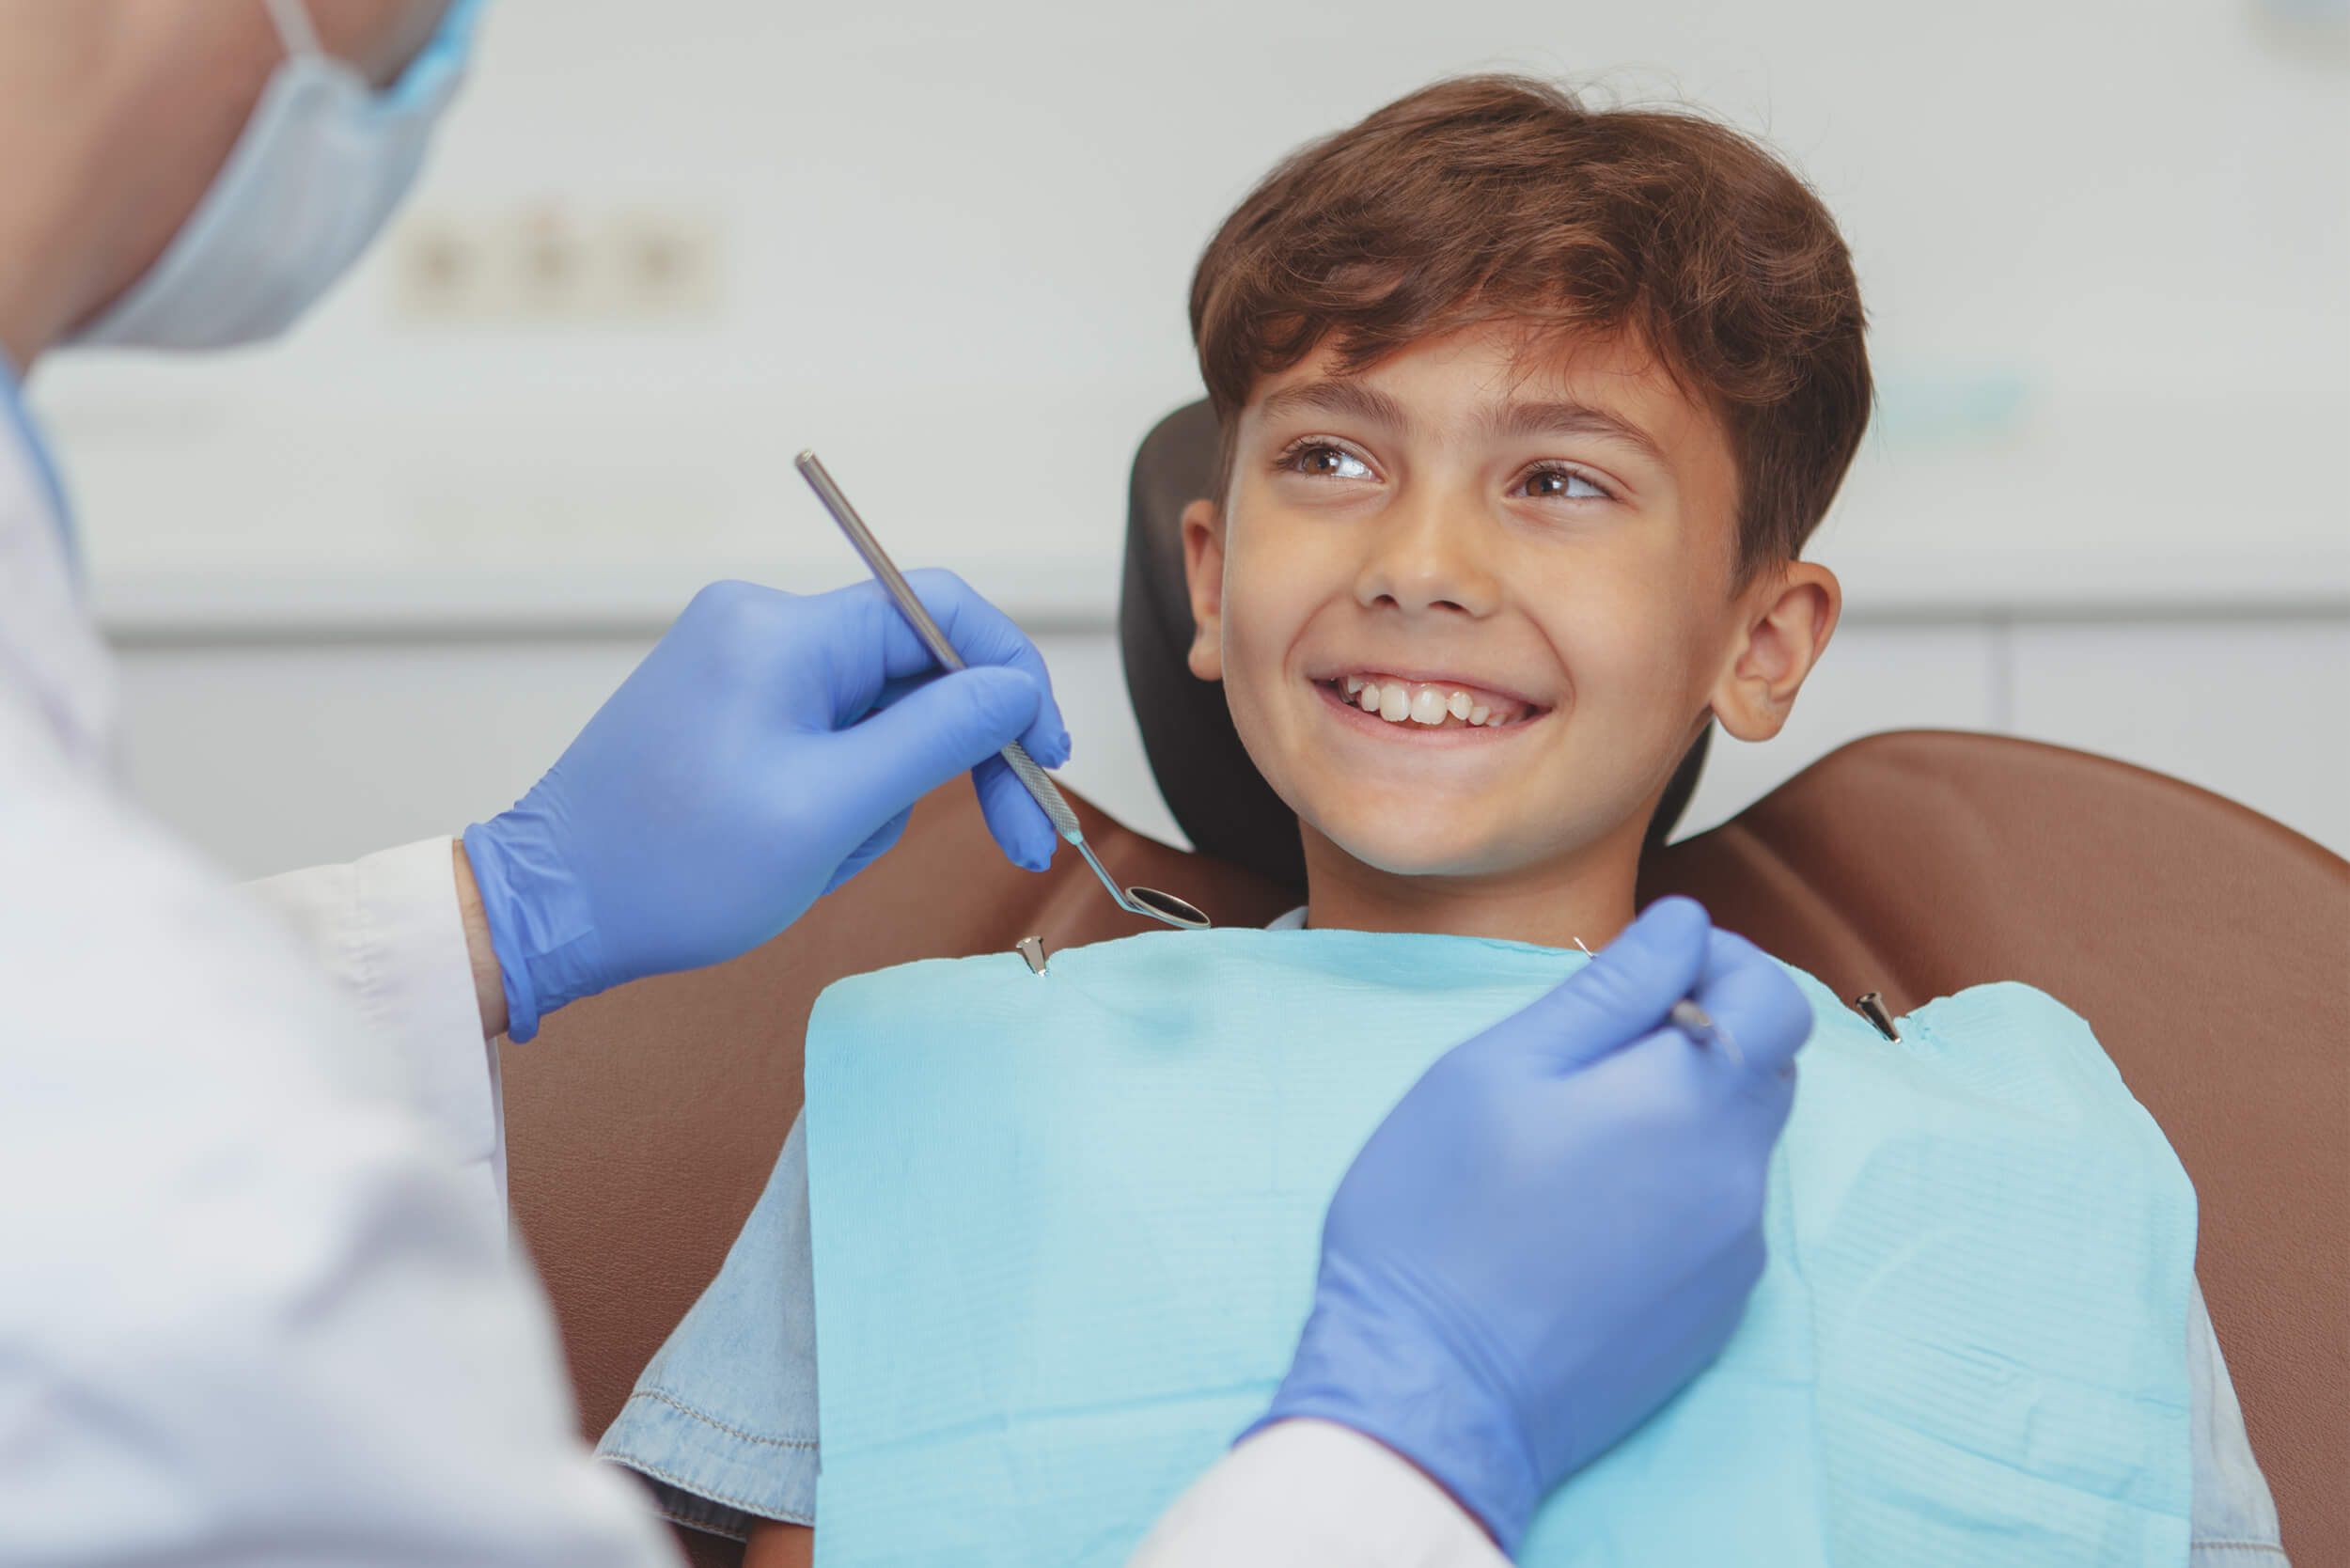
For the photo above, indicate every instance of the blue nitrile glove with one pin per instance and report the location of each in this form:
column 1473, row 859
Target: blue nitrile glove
column 765, row 752
column 1558, row 1225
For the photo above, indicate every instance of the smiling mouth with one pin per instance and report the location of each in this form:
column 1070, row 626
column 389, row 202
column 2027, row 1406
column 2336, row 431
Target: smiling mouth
column 1428, row 704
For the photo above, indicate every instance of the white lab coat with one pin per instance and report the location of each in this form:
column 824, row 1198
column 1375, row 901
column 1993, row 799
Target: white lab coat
column 256, row 1299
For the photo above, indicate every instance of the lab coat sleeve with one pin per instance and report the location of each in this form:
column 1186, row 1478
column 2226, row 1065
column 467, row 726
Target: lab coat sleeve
column 387, row 933
column 1307, row 1494
column 248, row 1313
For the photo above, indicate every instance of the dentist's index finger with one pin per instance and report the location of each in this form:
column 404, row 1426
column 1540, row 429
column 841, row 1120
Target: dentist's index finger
column 984, row 634
column 1014, row 820
column 981, row 634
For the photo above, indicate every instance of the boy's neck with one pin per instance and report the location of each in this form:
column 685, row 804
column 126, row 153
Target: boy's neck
column 1587, row 896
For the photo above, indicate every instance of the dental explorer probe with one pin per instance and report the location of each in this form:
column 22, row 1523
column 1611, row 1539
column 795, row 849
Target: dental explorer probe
column 1694, row 1021
column 1700, row 1026
column 1147, row 902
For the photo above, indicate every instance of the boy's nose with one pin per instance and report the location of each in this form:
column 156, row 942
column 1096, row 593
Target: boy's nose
column 1422, row 559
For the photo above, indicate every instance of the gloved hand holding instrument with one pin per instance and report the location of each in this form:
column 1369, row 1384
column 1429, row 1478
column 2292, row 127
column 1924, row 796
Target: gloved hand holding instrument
column 1558, row 1225
column 765, row 752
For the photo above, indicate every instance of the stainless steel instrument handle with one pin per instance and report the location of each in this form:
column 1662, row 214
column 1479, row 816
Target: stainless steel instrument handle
column 1032, row 777
column 1048, row 795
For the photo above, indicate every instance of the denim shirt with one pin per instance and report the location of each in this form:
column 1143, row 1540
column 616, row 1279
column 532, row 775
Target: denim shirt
column 723, row 1419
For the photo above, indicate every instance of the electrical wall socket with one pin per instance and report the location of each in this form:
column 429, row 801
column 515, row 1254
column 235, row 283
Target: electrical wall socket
column 551, row 263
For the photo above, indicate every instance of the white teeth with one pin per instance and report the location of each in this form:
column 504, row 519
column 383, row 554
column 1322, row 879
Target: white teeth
column 1400, row 703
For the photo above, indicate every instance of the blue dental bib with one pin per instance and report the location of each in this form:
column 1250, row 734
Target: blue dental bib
column 1065, row 1233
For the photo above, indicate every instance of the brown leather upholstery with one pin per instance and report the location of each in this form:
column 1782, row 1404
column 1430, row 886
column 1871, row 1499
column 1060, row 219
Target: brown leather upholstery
column 2209, row 947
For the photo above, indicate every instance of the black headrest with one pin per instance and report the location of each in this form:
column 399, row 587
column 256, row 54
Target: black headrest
column 1212, row 789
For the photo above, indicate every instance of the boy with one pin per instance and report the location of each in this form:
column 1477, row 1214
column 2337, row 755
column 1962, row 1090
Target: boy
column 1527, row 412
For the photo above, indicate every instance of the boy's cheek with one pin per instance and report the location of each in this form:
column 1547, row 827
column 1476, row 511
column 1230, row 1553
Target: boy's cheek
column 1268, row 598
column 1638, row 639
column 1249, row 663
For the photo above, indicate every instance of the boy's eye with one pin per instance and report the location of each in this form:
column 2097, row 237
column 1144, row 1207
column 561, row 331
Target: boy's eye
column 1323, row 461
column 1561, row 484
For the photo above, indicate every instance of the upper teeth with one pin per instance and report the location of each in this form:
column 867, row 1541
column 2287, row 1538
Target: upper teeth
column 1420, row 702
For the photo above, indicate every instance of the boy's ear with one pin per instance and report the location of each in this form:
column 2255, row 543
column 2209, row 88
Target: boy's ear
column 1790, row 618
column 1203, row 569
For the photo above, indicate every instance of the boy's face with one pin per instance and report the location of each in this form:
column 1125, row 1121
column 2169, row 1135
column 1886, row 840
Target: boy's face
column 1532, row 560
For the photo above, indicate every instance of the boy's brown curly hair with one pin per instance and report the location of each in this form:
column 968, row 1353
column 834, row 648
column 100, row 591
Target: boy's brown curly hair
column 1501, row 198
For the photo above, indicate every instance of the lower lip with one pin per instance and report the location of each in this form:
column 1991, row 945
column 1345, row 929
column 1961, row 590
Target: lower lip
column 1423, row 735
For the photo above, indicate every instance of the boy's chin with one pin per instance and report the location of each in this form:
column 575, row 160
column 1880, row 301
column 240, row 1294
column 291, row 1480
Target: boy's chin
column 1410, row 849
column 1425, row 840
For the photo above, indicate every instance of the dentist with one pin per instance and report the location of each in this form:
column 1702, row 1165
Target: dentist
column 257, row 1303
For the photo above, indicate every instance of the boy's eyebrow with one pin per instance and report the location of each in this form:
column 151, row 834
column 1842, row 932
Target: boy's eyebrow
column 1337, row 395
column 1570, row 418
column 1340, row 394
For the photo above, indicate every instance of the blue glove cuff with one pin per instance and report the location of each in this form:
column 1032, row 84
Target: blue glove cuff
column 1399, row 1388
column 539, row 928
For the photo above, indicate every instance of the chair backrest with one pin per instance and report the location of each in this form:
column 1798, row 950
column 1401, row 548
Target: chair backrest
column 2208, row 946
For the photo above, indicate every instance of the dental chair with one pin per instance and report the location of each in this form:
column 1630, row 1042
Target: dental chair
column 2209, row 948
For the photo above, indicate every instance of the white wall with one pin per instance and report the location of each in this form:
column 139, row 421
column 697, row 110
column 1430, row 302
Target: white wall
column 371, row 577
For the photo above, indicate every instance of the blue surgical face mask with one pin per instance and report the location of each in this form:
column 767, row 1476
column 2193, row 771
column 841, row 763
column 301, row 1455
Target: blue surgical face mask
column 321, row 162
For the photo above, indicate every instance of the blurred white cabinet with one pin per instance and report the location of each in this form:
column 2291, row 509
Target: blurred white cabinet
column 279, row 755
column 2257, row 710
column 1874, row 676
column 284, row 755
column 276, row 755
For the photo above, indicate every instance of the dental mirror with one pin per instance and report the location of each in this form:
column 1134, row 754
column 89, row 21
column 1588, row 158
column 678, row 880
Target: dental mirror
column 1135, row 901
